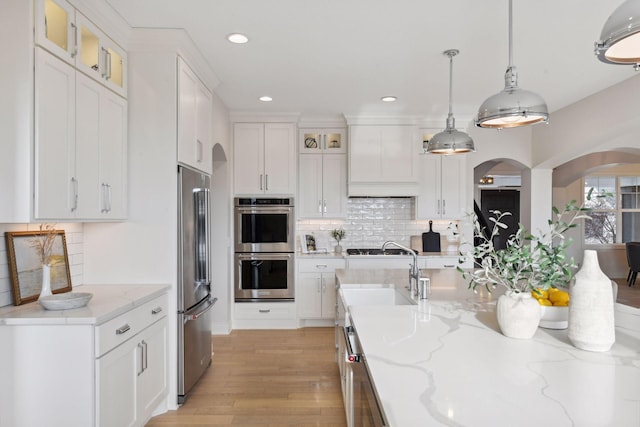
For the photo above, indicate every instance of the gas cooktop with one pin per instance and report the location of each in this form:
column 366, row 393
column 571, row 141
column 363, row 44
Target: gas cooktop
column 377, row 251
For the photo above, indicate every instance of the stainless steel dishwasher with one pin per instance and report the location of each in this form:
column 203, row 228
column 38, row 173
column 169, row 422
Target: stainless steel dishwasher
column 365, row 408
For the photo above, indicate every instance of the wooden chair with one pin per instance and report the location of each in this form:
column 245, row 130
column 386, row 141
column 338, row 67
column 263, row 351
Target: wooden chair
column 633, row 259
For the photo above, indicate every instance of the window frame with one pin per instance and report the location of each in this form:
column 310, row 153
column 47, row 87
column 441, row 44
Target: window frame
column 618, row 210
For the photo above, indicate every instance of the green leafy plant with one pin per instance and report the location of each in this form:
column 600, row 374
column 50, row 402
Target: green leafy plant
column 529, row 261
column 338, row 234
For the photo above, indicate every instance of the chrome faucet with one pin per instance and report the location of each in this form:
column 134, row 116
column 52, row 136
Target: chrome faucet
column 414, row 271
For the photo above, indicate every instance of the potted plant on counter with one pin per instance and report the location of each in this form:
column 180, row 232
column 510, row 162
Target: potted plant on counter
column 530, row 263
column 338, row 234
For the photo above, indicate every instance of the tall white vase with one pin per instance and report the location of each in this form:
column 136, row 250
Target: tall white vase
column 46, row 281
column 518, row 315
column 591, row 317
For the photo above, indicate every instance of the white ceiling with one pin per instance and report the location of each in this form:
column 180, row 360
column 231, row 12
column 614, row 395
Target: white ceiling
column 330, row 57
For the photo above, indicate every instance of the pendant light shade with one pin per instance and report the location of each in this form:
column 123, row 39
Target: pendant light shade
column 620, row 37
column 450, row 140
column 513, row 106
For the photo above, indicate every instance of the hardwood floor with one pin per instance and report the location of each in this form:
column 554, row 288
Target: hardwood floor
column 266, row 378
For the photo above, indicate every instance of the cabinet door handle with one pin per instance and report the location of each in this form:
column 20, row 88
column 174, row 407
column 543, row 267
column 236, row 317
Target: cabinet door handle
column 145, row 356
column 156, row 310
column 74, row 30
column 106, row 73
column 325, row 206
column 122, row 329
column 260, row 182
column 318, row 285
column 438, row 206
column 74, row 197
column 109, row 197
column 319, row 206
column 444, row 206
column 141, row 364
column 264, row 311
column 103, row 186
column 266, row 182
column 198, row 150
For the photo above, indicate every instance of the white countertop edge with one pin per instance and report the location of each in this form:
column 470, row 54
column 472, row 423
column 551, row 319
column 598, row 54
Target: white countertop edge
column 108, row 302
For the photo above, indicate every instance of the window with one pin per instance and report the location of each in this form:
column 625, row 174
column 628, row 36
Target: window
column 615, row 218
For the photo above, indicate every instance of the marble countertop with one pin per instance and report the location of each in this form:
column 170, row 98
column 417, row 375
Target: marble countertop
column 345, row 256
column 108, row 302
column 445, row 362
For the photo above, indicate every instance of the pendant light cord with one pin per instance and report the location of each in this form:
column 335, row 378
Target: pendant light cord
column 510, row 33
column 450, row 84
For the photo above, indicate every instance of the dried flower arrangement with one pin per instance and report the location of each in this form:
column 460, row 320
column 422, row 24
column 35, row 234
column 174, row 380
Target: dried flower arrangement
column 43, row 243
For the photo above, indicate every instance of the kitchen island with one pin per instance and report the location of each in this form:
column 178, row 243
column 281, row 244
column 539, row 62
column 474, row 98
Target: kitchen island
column 445, row 362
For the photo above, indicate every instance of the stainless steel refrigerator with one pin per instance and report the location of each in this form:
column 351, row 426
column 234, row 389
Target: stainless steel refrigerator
column 195, row 300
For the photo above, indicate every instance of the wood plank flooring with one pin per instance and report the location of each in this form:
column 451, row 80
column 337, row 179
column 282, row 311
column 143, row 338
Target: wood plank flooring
column 266, row 378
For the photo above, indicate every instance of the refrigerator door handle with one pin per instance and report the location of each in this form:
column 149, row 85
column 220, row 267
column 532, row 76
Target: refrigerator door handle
column 202, row 237
column 188, row 317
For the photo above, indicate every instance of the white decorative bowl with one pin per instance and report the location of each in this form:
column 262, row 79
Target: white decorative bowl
column 65, row 301
column 552, row 317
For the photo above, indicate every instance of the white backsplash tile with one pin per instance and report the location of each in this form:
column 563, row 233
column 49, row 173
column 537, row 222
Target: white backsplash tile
column 372, row 221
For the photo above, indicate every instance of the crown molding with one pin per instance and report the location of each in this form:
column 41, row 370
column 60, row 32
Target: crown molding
column 262, row 117
column 178, row 41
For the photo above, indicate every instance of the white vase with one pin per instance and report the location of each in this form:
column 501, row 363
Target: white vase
column 46, row 281
column 518, row 314
column 591, row 318
column 338, row 249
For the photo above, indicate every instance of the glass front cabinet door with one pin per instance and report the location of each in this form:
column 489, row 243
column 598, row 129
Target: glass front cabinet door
column 323, row 141
column 56, row 30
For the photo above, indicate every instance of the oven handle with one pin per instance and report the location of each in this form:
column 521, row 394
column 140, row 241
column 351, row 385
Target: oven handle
column 264, row 209
column 351, row 356
column 190, row 317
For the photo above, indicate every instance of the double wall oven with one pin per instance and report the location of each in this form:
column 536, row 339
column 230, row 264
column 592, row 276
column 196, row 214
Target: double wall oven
column 264, row 235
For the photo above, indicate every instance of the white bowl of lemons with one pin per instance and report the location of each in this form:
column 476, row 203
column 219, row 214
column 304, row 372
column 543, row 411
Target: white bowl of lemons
column 554, row 308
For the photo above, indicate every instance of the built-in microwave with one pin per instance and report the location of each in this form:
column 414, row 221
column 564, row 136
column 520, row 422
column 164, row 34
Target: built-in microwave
column 264, row 225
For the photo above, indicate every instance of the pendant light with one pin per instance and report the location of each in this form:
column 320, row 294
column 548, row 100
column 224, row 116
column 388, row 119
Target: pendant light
column 450, row 140
column 620, row 37
column 513, row 106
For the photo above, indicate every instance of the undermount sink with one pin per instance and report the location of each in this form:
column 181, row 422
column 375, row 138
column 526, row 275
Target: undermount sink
column 374, row 296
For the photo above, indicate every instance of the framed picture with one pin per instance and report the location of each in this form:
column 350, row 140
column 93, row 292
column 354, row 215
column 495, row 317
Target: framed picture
column 308, row 243
column 25, row 265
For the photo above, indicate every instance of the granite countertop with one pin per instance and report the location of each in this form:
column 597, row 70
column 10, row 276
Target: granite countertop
column 445, row 362
column 108, row 302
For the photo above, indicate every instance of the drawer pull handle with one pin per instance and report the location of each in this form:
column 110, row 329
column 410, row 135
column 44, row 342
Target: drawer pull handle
column 449, row 266
column 156, row 310
column 321, row 266
column 122, row 329
column 264, row 311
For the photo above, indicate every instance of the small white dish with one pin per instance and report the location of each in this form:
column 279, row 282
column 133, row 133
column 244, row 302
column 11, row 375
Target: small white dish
column 553, row 317
column 65, row 301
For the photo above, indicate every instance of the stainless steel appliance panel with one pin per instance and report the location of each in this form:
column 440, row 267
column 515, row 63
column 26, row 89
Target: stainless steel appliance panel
column 264, row 276
column 194, row 278
column 195, row 355
column 264, row 225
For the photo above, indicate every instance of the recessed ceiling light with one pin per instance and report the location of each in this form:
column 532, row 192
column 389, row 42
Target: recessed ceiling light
column 265, row 99
column 389, row 98
column 237, row 38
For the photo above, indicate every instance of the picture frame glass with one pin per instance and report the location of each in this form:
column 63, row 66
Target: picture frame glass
column 25, row 265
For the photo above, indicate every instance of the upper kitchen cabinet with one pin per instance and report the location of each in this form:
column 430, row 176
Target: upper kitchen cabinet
column 383, row 160
column 442, row 187
column 194, row 120
column 68, row 34
column 80, row 145
column 318, row 141
column 264, row 158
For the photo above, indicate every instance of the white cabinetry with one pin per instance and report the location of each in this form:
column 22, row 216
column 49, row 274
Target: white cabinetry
column 322, row 183
column 316, row 287
column 102, row 366
column 332, row 140
column 264, row 158
column 442, row 187
column 194, row 120
column 376, row 262
column 66, row 33
column 383, row 160
column 80, row 145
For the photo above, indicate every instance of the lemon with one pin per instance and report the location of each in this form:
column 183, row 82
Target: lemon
column 540, row 294
column 544, row 301
column 559, row 297
column 561, row 304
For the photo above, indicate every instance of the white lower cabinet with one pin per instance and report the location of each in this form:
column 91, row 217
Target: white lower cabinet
column 375, row 262
column 131, row 379
column 77, row 372
column 316, row 287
